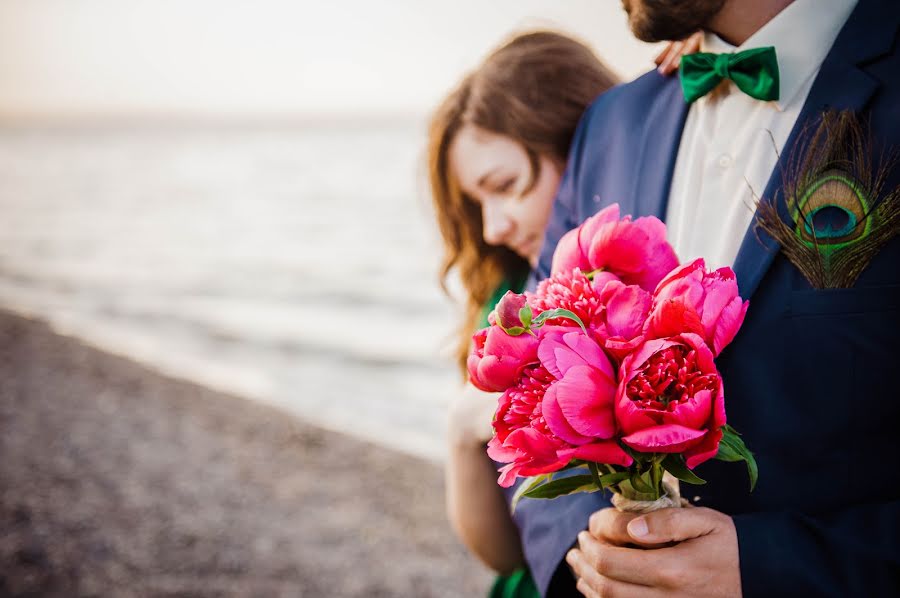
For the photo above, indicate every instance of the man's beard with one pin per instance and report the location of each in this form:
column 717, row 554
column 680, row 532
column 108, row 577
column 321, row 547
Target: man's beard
column 661, row 20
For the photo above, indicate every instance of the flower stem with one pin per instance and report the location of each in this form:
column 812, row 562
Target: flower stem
column 656, row 475
column 595, row 473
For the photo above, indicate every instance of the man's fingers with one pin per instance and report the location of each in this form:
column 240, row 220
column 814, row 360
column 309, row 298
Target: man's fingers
column 594, row 584
column 672, row 525
column 611, row 526
column 630, row 565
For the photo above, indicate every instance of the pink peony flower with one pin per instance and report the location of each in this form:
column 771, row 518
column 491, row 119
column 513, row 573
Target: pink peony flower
column 670, row 399
column 497, row 359
column 636, row 252
column 624, row 316
column 614, row 313
column 561, row 409
column 690, row 299
column 574, row 291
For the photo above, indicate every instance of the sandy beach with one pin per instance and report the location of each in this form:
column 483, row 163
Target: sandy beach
column 117, row 481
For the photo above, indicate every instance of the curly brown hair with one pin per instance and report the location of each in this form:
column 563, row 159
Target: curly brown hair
column 533, row 89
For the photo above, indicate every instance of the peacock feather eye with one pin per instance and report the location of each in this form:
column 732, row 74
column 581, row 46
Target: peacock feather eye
column 832, row 212
column 835, row 190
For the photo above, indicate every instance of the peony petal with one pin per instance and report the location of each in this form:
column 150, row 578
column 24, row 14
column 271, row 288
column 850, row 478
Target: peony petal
column 606, row 451
column 586, row 397
column 671, row 317
column 630, row 417
column 587, row 350
column 660, row 256
column 602, row 278
column 497, row 451
column 705, row 450
column 503, row 358
column 557, row 421
column 508, row 475
column 667, row 438
column 627, row 308
column 695, row 413
column 620, row 248
column 568, row 254
column 682, row 271
column 729, row 323
column 636, row 360
column 619, row 348
column 549, row 348
column 531, row 468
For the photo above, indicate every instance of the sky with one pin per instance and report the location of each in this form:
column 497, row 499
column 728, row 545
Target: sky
column 270, row 58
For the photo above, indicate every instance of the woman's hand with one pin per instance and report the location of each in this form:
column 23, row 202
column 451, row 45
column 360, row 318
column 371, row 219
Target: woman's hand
column 469, row 417
column 669, row 59
column 476, row 506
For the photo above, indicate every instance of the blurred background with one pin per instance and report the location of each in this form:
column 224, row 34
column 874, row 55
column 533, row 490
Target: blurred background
column 231, row 193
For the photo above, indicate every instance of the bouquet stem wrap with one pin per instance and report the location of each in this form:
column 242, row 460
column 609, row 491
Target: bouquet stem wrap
column 670, row 499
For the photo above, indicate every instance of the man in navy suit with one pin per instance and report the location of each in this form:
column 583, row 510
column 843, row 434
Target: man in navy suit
column 810, row 379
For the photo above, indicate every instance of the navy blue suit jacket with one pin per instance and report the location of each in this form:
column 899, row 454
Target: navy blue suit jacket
column 812, row 381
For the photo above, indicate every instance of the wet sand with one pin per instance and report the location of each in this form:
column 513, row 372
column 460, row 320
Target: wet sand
column 117, row 481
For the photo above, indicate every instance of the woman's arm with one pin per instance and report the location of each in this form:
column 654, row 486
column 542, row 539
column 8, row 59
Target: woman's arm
column 476, row 506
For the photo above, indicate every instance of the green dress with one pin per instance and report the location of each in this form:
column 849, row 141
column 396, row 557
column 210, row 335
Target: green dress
column 519, row 584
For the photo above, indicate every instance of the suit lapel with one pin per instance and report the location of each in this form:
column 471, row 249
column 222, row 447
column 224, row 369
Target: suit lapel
column 840, row 84
column 659, row 149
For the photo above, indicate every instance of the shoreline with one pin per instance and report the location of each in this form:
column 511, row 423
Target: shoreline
column 118, row 480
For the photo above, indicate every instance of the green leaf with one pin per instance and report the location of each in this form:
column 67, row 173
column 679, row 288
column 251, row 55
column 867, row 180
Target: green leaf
column 540, row 319
column 727, row 453
column 529, row 484
column 642, row 483
column 727, row 428
column 656, row 474
column 627, row 490
column 611, row 479
column 563, row 486
column 595, row 474
column 514, row 330
column 558, row 313
column 675, row 465
column 732, row 448
column 525, row 315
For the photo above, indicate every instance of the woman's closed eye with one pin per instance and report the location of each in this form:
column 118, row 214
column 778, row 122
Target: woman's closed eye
column 504, row 186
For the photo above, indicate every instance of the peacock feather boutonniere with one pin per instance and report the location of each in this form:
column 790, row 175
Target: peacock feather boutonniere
column 841, row 212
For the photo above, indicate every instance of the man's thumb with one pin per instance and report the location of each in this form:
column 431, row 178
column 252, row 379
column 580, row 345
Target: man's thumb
column 671, row 525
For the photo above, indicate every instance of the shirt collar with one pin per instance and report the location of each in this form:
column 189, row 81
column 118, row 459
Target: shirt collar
column 802, row 34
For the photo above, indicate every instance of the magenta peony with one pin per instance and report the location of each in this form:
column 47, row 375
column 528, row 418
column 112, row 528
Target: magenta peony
column 623, row 319
column 690, row 299
column 574, row 291
column 614, row 313
column 634, row 251
column 670, row 399
column 560, row 409
column 497, row 359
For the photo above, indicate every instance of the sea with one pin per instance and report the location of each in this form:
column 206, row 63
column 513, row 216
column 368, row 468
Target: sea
column 289, row 263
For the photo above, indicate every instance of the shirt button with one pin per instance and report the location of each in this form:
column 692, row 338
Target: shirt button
column 725, row 161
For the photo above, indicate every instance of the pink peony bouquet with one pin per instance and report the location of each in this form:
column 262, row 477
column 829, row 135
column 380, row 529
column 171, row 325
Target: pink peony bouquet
column 609, row 367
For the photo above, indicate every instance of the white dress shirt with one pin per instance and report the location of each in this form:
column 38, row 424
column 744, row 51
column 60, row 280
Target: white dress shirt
column 731, row 142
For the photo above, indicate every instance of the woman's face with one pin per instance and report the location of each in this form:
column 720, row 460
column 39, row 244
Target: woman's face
column 494, row 170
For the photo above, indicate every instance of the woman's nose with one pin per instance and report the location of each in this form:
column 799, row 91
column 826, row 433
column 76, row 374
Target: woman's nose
column 497, row 224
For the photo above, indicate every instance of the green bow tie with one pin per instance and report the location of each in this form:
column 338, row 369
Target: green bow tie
column 755, row 72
